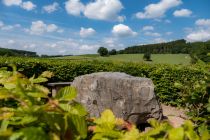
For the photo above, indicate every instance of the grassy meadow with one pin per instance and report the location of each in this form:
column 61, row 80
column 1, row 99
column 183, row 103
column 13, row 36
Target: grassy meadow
column 156, row 58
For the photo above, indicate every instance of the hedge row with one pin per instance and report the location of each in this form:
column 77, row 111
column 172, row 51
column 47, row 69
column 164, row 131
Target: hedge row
column 167, row 78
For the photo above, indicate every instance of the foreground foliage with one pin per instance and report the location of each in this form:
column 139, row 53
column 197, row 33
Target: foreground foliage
column 36, row 116
column 183, row 86
column 108, row 127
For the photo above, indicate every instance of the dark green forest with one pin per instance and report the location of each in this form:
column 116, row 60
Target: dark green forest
column 14, row 52
column 197, row 50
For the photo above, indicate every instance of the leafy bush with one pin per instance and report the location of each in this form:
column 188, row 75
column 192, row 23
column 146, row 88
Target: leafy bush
column 39, row 117
column 174, row 84
column 108, row 127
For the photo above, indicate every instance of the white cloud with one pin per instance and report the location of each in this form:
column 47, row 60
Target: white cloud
column 147, row 28
column 200, row 35
column 39, row 27
column 51, row 28
column 86, row 32
column 87, row 47
column 182, row 13
column 104, row 10
column 112, row 43
column 51, row 8
column 122, row 30
column 157, row 10
column 12, row 2
column 203, row 22
column 74, row 7
column 28, row 5
column 159, row 40
column 11, row 41
column 152, row 34
column 7, row 27
column 99, row 9
column 201, row 32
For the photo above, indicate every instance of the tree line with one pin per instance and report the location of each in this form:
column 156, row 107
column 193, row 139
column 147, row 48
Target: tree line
column 14, row 52
column 197, row 50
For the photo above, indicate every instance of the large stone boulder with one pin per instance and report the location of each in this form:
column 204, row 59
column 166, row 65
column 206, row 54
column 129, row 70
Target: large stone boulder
column 130, row 98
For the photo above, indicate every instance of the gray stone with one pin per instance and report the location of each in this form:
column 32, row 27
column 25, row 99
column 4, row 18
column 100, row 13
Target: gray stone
column 130, row 98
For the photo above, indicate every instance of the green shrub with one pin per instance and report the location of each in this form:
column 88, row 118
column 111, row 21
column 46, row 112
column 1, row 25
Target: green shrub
column 39, row 117
column 174, row 84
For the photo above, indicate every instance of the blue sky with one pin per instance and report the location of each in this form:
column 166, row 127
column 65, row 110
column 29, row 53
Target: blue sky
column 82, row 26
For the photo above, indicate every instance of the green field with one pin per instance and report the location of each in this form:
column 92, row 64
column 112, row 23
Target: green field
column 156, row 58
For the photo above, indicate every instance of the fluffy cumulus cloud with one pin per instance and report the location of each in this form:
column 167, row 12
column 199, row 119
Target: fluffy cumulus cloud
column 104, row 10
column 86, row 32
column 39, row 27
column 74, row 7
column 51, row 8
column 99, row 9
column 157, row 10
column 12, row 2
column 201, row 32
column 200, row 35
column 122, row 30
column 203, row 22
column 27, row 5
column 182, row 13
column 148, row 28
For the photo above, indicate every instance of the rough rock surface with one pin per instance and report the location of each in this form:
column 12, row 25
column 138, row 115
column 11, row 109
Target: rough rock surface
column 130, row 98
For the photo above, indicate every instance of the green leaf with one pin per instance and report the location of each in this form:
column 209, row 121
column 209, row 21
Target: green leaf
column 30, row 133
column 107, row 120
column 66, row 94
column 133, row 134
column 47, row 74
column 4, row 93
column 39, row 80
column 176, row 134
column 79, row 124
column 37, row 94
column 23, row 120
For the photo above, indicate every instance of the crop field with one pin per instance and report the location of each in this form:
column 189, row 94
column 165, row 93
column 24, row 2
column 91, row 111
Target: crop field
column 156, row 58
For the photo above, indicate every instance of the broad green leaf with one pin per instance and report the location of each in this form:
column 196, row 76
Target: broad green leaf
column 4, row 93
column 133, row 134
column 4, row 125
column 79, row 124
column 47, row 74
column 39, row 80
column 37, row 94
column 23, row 120
column 66, row 94
column 10, row 85
column 30, row 133
column 41, row 89
column 176, row 134
column 107, row 120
